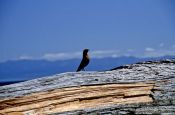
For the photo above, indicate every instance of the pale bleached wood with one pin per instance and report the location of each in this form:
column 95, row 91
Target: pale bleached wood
column 67, row 99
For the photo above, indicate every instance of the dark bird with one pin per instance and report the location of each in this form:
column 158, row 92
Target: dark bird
column 84, row 61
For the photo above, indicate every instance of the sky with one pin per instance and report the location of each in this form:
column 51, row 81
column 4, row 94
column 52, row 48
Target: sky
column 61, row 29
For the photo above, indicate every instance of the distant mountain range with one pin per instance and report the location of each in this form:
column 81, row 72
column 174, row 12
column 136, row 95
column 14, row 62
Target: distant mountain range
column 21, row 70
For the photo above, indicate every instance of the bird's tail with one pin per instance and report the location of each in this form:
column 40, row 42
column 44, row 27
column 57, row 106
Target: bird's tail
column 78, row 69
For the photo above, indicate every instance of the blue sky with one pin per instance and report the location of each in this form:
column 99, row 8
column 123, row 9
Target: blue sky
column 61, row 29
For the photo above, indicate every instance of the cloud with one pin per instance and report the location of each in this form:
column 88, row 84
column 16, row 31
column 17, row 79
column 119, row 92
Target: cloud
column 104, row 53
column 130, row 50
column 61, row 56
column 161, row 45
column 148, row 52
column 25, row 57
column 173, row 46
column 158, row 53
column 78, row 55
column 148, row 49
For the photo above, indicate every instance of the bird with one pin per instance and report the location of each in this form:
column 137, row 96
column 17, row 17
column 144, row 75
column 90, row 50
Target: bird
column 84, row 61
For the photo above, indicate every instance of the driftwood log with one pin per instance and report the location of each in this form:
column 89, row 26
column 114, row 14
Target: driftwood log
column 142, row 88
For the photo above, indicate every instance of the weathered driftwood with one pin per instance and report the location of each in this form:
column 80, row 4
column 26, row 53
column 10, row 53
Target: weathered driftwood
column 143, row 88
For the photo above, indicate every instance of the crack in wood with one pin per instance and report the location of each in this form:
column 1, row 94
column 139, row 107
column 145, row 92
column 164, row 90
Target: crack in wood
column 73, row 98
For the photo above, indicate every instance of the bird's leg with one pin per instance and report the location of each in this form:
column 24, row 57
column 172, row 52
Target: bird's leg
column 83, row 69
